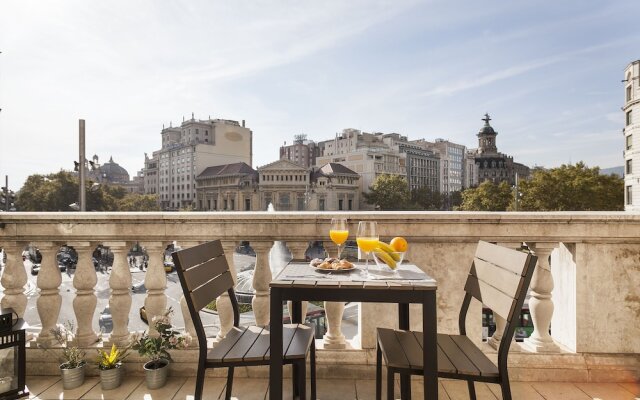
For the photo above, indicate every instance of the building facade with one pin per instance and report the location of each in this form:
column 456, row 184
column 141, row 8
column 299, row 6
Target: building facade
column 422, row 164
column 493, row 165
column 451, row 164
column 631, row 132
column 367, row 154
column 302, row 152
column 229, row 187
column 187, row 151
column 283, row 184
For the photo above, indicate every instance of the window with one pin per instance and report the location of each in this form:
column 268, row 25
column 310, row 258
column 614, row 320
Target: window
column 340, row 205
column 629, row 141
column 321, row 204
column 350, row 204
column 629, row 117
column 629, row 198
column 629, row 164
column 247, row 204
column 233, row 204
column 629, row 93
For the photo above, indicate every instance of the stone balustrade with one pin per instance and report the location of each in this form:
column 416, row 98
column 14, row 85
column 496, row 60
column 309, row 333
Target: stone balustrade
column 585, row 289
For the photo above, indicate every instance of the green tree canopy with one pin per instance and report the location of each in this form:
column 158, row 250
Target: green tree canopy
column 572, row 188
column 55, row 192
column 487, row 197
column 389, row 192
column 426, row 199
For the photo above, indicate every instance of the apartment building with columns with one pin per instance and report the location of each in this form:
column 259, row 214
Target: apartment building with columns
column 187, row 151
column 283, row 184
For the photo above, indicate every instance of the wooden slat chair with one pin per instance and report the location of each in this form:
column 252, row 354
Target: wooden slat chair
column 499, row 278
column 204, row 275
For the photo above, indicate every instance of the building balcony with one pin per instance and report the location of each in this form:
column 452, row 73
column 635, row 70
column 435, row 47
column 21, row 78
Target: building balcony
column 584, row 297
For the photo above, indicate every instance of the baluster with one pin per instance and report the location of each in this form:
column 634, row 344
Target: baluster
column 84, row 304
column 120, row 299
column 13, row 279
column 155, row 281
column 49, row 301
column 334, row 339
column 298, row 250
column 261, row 280
column 540, row 303
column 223, row 303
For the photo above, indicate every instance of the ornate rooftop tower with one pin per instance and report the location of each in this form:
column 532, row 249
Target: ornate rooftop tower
column 487, row 138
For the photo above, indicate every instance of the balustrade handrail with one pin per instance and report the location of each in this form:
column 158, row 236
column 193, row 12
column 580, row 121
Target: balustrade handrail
column 594, row 257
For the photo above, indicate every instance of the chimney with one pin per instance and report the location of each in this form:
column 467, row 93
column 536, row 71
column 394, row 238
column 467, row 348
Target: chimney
column 243, row 123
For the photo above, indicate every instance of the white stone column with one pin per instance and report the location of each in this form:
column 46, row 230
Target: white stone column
column 223, row 303
column 540, row 303
column 49, row 300
column 261, row 279
column 298, row 250
column 155, row 281
column 84, row 304
column 120, row 299
column 14, row 278
column 334, row 339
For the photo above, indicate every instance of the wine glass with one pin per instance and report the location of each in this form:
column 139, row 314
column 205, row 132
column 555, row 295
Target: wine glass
column 367, row 238
column 339, row 232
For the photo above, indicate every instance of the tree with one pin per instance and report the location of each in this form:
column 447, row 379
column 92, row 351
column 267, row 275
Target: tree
column 138, row 202
column 389, row 192
column 426, row 199
column 55, row 192
column 487, row 197
column 571, row 188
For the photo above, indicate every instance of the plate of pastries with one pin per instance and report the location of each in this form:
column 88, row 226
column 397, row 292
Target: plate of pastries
column 332, row 264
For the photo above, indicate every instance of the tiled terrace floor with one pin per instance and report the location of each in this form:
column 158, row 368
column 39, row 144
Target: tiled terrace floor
column 133, row 388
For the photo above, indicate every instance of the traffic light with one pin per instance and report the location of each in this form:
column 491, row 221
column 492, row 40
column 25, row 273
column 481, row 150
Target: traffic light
column 7, row 200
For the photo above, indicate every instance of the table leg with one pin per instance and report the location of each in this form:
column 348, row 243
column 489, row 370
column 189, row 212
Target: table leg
column 430, row 340
column 296, row 316
column 275, row 367
column 405, row 379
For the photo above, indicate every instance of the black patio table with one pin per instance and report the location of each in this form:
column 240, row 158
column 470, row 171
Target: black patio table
column 298, row 281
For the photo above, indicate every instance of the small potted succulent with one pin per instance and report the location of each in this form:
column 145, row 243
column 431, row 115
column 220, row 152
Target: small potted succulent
column 110, row 367
column 156, row 348
column 73, row 363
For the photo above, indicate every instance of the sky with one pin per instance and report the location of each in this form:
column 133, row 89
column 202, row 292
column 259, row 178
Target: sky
column 548, row 73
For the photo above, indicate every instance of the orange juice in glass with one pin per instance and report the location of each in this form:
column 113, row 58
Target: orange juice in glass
column 367, row 239
column 339, row 232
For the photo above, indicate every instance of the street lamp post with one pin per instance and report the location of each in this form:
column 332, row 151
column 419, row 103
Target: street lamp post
column 83, row 195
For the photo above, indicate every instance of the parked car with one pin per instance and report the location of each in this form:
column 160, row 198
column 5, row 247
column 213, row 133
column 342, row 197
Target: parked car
column 245, row 249
column 105, row 321
column 168, row 260
column 143, row 315
column 138, row 287
column 32, row 255
column 102, row 258
column 67, row 259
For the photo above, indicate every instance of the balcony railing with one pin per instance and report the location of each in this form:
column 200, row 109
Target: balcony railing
column 585, row 289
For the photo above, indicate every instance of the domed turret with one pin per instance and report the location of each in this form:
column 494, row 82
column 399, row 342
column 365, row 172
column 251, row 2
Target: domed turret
column 487, row 137
column 113, row 172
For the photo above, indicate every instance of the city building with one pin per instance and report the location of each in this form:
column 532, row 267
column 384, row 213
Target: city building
column 112, row 173
column 451, row 164
column 283, row 184
column 229, row 187
column 302, row 152
column 493, row 165
column 187, row 151
column 631, row 132
column 422, row 164
column 367, row 154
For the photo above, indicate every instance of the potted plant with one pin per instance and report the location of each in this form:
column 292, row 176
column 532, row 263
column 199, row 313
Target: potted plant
column 73, row 363
column 156, row 348
column 110, row 367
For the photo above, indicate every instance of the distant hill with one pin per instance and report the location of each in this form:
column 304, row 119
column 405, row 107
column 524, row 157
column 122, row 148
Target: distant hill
column 613, row 170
